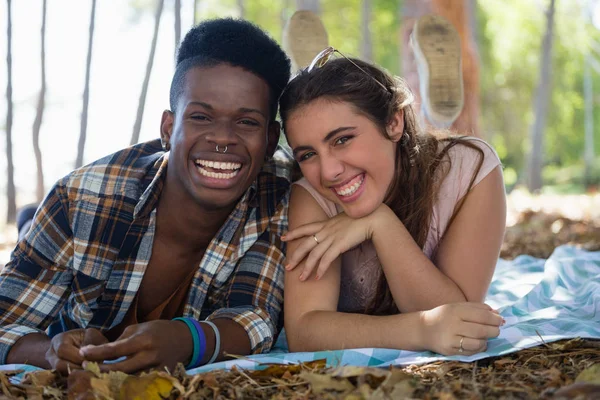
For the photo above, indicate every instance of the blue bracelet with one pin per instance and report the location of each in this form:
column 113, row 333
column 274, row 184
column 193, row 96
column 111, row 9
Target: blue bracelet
column 195, row 339
column 201, row 344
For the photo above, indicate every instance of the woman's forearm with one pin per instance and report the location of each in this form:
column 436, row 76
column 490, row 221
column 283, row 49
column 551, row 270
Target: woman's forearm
column 332, row 330
column 415, row 282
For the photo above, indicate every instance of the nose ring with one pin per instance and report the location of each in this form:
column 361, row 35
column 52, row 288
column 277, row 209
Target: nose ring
column 224, row 150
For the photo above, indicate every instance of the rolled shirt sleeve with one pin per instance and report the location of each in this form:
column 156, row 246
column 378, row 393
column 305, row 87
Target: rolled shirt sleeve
column 255, row 296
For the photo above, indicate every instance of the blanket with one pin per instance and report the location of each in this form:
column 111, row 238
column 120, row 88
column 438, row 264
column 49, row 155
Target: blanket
column 541, row 301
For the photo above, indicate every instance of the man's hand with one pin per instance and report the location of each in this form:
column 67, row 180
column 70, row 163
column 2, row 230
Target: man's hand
column 63, row 354
column 154, row 344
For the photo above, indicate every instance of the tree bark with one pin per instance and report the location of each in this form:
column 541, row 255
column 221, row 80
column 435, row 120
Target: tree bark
column 135, row 137
column 588, row 91
column 10, row 187
column 177, row 13
column 196, row 3
column 541, row 101
column 366, row 44
column 457, row 12
column 311, row 5
column 241, row 8
column 283, row 15
column 86, row 90
column 37, row 123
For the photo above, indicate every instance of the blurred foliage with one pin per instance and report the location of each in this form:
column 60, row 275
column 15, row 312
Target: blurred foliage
column 509, row 36
column 510, row 47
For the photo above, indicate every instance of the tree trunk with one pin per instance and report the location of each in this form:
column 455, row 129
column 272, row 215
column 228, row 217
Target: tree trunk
column 135, row 137
column 283, row 15
column 177, row 13
column 196, row 2
column 11, row 212
column 37, row 123
column 241, row 8
column 366, row 44
column 588, row 91
column 541, row 100
column 457, row 12
column 311, row 5
column 86, row 90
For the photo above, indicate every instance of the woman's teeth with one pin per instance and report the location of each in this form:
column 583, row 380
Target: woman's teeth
column 350, row 189
column 229, row 169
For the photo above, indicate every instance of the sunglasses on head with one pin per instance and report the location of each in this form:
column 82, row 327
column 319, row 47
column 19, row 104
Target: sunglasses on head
column 324, row 56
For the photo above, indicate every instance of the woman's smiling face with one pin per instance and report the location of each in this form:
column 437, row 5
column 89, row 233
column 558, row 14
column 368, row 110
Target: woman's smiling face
column 343, row 154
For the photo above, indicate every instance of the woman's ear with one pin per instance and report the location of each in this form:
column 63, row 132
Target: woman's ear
column 395, row 127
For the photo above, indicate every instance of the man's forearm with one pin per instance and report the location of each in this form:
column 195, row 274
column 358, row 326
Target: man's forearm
column 234, row 339
column 30, row 349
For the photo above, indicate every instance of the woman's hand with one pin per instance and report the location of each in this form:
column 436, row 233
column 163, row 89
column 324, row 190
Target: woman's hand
column 324, row 241
column 154, row 344
column 449, row 328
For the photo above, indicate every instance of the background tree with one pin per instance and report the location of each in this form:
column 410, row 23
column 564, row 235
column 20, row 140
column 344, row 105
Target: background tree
column 457, row 12
column 39, row 115
column 196, row 4
column 135, row 137
column 86, row 90
column 177, row 13
column 536, row 155
column 10, row 187
column 241, row 8
column 366, row 44
column 311, row 5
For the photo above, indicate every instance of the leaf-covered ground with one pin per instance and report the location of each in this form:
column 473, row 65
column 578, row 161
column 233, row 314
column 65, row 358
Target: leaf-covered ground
column 568, row 369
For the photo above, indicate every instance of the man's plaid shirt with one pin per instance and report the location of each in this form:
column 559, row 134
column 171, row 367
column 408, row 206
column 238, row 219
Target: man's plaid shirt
column 83, row 260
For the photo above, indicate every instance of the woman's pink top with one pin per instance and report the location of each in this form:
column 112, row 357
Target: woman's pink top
column 361, row 267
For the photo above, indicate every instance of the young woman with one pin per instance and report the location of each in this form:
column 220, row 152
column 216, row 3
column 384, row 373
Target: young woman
column 394, row 232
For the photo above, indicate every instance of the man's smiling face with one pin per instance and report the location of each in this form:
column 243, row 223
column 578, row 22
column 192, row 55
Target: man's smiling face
column 218, row 134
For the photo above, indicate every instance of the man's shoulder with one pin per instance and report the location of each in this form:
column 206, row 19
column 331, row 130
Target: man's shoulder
column 281, row 164
column 276, row 173
column 274, row 180
column 120, row 172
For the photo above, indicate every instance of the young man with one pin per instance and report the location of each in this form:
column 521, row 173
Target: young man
column 189, row 226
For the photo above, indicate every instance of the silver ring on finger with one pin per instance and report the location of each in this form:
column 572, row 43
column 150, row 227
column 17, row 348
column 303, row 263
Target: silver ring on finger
column 316, row 240
column 460, row 345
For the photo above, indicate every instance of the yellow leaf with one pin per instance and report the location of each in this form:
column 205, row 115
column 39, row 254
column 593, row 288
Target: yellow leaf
column 156, row 385
column 590, row 375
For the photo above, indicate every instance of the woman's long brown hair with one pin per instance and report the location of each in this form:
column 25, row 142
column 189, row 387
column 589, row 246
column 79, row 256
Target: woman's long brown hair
column 422, row 160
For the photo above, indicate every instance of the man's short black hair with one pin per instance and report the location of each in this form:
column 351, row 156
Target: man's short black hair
column 236, row 42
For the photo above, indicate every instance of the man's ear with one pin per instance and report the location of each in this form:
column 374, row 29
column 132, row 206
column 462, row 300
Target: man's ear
column 395, row 127
column 166, row 128
column 273, row 138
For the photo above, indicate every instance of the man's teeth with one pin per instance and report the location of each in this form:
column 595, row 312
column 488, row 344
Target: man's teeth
column 349, row 190
column 232, row 169
column 219, row 165
column 218, row 175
